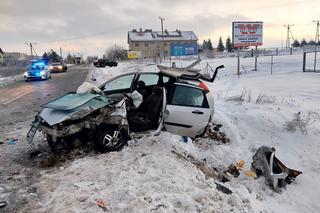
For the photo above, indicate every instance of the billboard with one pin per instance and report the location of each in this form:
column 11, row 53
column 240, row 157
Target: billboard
column 133, row 54
column 183, row 50
column 245, row 34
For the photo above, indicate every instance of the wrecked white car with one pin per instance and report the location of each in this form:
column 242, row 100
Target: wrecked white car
column 173, row 99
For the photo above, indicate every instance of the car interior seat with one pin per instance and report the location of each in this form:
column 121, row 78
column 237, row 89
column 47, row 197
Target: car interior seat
column 141, row 88
column 149, row 112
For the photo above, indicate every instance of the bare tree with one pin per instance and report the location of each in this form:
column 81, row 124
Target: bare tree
column 115, row 52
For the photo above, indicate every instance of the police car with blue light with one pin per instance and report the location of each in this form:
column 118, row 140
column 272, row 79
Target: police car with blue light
column 38, row 70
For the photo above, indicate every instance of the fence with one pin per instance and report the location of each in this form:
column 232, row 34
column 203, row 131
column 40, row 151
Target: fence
column 310, row 61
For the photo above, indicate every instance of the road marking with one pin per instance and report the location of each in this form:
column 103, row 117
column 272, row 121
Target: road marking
column 17, row 97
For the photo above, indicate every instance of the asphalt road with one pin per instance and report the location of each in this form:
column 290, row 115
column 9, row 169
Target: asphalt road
column 20, row 101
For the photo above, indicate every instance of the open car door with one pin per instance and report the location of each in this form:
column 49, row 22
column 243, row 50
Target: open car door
column 187, row 110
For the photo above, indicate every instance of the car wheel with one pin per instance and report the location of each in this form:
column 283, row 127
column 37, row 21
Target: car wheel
column 109, row 138
column 57, row 146
column 27, row 79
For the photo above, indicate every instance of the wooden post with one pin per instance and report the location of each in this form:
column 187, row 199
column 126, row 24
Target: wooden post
column 304, row 62
column 238, row 62
column 315, row 59
column 271, row 63
column 256, row 60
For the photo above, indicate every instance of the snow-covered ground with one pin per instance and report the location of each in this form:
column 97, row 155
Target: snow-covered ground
column 280, row 110
column 7, row 80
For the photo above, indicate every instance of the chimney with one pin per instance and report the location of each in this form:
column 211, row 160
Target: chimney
column 166, row 32
column 134, row 30
column 140, row 32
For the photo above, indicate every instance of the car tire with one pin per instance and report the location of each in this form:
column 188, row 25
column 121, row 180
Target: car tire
column 56, row 147
column 27, row 79
column 110, row 138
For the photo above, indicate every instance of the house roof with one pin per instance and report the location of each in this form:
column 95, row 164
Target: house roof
column 149, row 35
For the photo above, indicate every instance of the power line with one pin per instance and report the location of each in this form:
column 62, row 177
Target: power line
column 317, row 31
column 30, row 44
column 162, row 46
column 289, row 34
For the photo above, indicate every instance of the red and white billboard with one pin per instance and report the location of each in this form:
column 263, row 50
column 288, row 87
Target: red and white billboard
column 245, row 34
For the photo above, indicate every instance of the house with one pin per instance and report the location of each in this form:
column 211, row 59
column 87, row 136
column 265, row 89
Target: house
column 150, row 42
column 13, row 58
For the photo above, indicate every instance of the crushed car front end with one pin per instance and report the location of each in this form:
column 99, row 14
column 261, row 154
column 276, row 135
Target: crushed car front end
column 73, row 114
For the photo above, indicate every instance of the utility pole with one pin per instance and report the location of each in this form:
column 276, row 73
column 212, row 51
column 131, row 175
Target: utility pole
column 61, row 54
column 162, row 46
column 317, row 31
column 289, row 35
column 30, row 44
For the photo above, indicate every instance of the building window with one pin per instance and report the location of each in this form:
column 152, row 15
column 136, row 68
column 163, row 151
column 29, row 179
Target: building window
column 136, row 44
column 146, row 44
column 165, row 44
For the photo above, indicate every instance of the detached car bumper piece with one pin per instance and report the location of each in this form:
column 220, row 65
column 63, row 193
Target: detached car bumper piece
column 276, row 174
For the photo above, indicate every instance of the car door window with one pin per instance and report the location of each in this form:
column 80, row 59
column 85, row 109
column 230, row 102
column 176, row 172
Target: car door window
column 149, row 79
column 165, row 79
column 123, row 82
column 189, row 96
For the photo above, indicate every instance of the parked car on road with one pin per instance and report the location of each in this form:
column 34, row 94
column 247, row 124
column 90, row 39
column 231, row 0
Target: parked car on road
column 176, row 100
column 37, row 71
column 105, row 62
column 58, row 67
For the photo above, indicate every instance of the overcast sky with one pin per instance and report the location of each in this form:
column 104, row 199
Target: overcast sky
column 91, row 26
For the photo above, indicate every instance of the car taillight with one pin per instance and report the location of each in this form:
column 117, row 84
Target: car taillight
column 203, row 86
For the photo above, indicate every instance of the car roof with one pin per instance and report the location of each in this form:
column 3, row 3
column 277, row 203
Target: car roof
column 178, row 72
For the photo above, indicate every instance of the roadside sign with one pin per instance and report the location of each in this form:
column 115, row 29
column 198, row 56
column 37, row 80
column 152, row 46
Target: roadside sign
column 133, row 54
column 245, row 34
column 183, row 50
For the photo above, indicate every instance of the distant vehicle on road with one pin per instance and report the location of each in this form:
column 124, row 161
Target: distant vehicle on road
column 58, row 67
column 78, row 60
column 104, row 63
column 37, row 70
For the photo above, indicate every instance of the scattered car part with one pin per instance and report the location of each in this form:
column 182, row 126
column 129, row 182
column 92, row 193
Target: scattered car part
column 222, row 188
column 233, row 170
column 276, row 174
column 3, row 204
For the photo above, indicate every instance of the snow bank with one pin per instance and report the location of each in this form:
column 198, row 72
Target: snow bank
column 145, row 176
column 7, row 80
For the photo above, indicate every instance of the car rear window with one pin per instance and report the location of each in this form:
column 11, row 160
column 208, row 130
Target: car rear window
column 189, row 96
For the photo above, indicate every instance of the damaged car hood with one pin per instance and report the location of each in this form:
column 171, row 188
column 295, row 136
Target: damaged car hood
column 72, row 107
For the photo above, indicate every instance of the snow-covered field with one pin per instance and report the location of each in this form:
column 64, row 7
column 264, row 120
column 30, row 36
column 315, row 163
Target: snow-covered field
column 280, row 110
